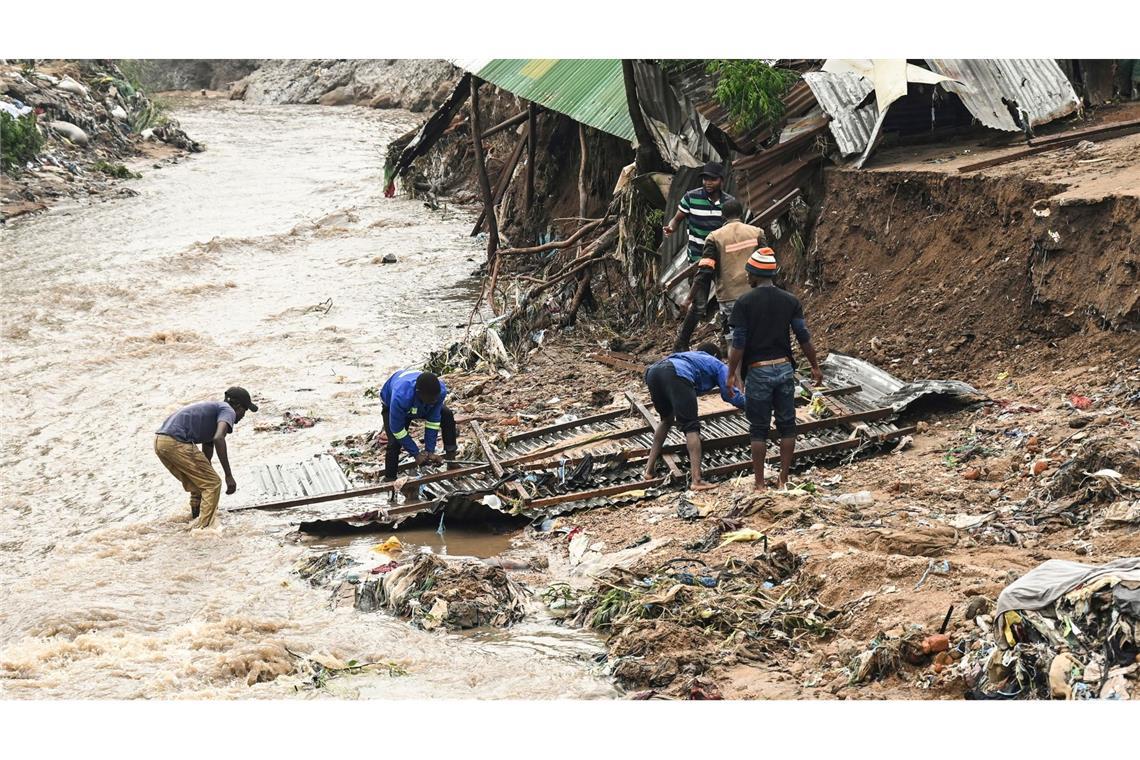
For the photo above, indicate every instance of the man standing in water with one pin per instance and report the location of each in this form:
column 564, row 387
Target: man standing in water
column 702, row 208
column 760, row 323
column 408, row 395
column 204, row 424
column 674, row 383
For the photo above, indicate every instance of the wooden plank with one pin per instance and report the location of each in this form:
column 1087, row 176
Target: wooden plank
column 364, row 491
column 1061, row 141
column 670, row 459
column 493, row 462
column 583, row 495
column 488, row 452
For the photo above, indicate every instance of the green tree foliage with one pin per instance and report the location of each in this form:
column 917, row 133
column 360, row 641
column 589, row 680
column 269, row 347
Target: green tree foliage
column 20, row 140
column 751, row 90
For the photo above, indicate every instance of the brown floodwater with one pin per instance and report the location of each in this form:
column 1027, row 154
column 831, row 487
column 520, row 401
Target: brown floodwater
column 220, row 272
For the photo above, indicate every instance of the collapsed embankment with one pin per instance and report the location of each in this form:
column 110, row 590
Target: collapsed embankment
column 932, row 274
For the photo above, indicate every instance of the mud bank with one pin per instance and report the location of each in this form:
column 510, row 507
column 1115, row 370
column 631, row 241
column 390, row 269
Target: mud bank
column 933, row 274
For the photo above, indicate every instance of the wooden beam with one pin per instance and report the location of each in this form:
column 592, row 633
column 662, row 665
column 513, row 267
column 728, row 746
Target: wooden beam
column 481, row 167
column 593, row 493
column 503, row 182
column 493, row 461
column 518, row 118
column 670, row 459
column 560, row 426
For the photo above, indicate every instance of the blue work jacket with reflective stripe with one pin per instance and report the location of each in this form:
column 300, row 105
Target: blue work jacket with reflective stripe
column 705, row 372
column 399, row 395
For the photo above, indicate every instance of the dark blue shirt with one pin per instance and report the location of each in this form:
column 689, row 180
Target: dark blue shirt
column 705, row 372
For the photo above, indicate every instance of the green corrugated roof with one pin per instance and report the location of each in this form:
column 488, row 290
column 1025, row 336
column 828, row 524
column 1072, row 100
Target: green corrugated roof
column 591, row 90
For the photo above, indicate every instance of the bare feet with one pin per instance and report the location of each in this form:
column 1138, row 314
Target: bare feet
column 700, row 485
column 647, row 475
column 759, row 486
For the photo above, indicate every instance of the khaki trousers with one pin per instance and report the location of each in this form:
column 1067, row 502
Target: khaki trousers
column 187, row 463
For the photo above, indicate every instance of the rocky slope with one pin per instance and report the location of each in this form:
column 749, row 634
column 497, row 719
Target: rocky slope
column 413, row 84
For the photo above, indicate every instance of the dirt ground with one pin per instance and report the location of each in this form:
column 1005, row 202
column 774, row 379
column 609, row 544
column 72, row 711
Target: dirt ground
column 962, row 466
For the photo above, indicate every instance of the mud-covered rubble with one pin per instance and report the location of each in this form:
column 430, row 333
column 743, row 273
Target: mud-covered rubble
column 91, row 120
column 428, row 591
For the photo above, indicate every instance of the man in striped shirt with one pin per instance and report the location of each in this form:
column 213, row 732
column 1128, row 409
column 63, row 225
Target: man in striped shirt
column 701, row 207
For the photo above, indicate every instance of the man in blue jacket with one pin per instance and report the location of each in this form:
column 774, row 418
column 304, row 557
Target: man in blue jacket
column 674, row 383
column 413, row 395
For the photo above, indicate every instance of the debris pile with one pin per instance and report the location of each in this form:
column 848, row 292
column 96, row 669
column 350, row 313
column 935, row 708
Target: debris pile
column 77, row 121
column 320, row 569
column 685, row 617
column 1062, row 631
column 434, row 592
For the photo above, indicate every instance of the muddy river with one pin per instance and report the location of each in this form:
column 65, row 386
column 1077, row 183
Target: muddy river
column 221, row 272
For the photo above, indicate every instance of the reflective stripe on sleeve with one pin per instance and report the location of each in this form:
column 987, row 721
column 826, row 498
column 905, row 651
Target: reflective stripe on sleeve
column 432, row 425
column 400, row 434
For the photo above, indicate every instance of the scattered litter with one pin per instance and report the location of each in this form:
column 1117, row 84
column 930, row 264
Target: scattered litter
column 746, row 534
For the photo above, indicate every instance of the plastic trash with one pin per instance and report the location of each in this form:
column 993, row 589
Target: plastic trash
column 857, row 499
column 391, row 545
column 744, row 534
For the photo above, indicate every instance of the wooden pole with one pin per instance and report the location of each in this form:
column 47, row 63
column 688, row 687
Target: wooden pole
column 531, row 145
column 484, row 182
column 503, row 181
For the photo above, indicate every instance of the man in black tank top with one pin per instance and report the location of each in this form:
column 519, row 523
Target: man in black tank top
column 761, row 361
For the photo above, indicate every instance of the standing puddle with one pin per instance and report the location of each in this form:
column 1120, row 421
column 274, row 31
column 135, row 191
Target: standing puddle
column 255, row 263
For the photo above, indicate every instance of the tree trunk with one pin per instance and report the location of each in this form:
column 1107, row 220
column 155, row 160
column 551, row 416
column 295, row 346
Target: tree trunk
column 648, row 159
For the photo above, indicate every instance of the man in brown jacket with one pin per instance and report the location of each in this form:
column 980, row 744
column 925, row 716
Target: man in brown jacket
column 722, row 261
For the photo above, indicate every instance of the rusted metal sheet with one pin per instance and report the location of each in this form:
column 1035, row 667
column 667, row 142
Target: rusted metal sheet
column 846, row 99
column 990, row 87
column 863, row 398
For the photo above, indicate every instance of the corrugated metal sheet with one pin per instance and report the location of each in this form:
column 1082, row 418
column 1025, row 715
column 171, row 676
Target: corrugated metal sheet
column 1036, row 85
column 677, row 127
column 590, row 91
column 840, row 94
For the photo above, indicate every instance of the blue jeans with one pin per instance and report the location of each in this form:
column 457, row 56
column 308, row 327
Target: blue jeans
column 769, row 390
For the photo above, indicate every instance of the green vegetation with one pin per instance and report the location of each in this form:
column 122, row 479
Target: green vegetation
column 146, row 114
column 751, row 91
column 118, row 171
column 20, row 140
